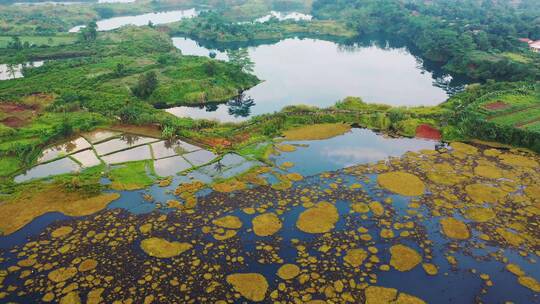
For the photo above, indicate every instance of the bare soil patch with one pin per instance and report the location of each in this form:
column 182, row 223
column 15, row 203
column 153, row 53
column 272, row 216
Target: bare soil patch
column 497, row 105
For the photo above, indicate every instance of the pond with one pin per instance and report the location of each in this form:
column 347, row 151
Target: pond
column 139, row 20
column 319, row 73
column 13, row 71
column 359, row 146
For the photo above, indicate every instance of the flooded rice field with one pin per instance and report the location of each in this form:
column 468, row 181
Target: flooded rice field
column 456, row 225
column 111, row 148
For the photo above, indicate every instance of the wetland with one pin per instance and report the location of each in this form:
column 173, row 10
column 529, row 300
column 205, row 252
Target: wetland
column 269, row 152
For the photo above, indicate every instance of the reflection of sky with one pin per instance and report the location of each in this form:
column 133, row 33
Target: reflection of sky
column 284, row 16
column 222, row 113
column 359, row 146
column 15, row 71
column 115, row 1
column 348, row 156
column 156, row 18
column 317, row 72
column 190, row 47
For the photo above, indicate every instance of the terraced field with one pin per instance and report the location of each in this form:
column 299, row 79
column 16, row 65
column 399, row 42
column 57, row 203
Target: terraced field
column 518, row 110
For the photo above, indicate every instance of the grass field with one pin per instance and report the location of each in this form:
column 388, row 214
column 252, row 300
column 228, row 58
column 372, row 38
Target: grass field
column 512, row 108
column 41, row 40
column 533, row 127
column 516, row 57
column 518, row 118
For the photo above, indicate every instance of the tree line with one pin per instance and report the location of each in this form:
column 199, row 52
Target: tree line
column 467, row 36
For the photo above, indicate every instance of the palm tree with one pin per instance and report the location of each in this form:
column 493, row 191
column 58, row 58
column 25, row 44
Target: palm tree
column 219, row 166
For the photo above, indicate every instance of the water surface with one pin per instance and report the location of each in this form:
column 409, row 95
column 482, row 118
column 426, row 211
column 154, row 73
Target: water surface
column 13, row 71
column 359, row 146
column 139, row 20
column 281, row 16
column 319, row 73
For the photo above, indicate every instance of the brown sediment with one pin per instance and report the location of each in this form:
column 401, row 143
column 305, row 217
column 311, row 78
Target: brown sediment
column 497, row 105
column 428, row 132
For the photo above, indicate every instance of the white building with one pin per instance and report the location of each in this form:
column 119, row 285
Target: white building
column 535, row 46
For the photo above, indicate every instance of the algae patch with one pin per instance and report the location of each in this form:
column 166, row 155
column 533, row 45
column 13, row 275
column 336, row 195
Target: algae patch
column 266, row 224
column 317, row 131
column 229, row 222
column 481, row 193
column 455, row 229
column 62, row 274
column 288, row 271
column 161, row 248
column 402, row 183
column 16, row 213
column 252, row 286
column 61, row 231
column 404, row 258
column 355, row 257
column 319, row 219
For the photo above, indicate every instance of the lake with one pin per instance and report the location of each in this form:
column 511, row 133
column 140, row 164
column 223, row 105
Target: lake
column 319, row 73
column 139, row 20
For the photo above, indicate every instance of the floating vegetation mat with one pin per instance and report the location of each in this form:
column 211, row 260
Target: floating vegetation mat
column 457, row 226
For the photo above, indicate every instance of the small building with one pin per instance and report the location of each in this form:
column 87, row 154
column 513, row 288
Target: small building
column 535, row 46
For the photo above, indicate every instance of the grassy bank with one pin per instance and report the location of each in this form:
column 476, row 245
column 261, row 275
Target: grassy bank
column 47, row 20
column 72, row 95
column 213, row 27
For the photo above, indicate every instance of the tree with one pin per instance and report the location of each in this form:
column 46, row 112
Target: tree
column 65, row 128
column 120, row 69
column 146, row 84
column 104, row 12
column 15, row 43
column 130, row 112
column 11, row 69
column 240, row 58
column 89, row 32
column 210, row 68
